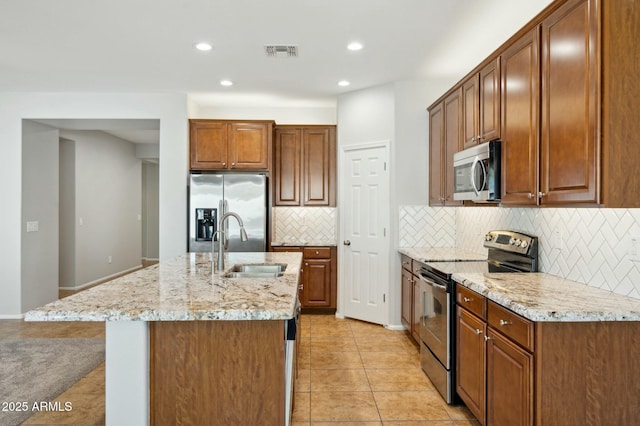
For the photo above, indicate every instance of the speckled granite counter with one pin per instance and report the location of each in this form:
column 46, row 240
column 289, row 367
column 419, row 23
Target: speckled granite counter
column 441, row 254
column 184, row 288
column 544, row 297
column 316, row 243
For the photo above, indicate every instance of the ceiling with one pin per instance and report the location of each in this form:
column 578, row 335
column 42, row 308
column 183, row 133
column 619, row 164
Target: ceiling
column 147, row 45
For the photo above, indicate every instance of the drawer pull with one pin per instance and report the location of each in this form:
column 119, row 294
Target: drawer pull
column 487, row 338
column 478, row 331
column 317, row 252
column 467, row 299
column 503, row 322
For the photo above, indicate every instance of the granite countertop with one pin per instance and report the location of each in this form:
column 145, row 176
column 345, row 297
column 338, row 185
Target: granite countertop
column 543, row 297
column 301, row 243
column 184, row 289
column 441, row 254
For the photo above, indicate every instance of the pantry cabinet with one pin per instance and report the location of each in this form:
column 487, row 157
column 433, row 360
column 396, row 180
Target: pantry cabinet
column 445, row 139
column 481, row 106
column 230, row 145
column 305, row 166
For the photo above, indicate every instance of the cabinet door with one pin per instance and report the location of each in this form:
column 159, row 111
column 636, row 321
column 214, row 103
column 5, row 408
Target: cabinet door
column 288, row 145
column 407, row 299
column 318, row 159
column 249, row 146
column 520, row 125
column 490, row 102
column 436, row 141
column 208, row 148
column 470, row 114
column 470, row 362
column 316, row 290
column 570, row 105
column 509, row 383
column 452, row 143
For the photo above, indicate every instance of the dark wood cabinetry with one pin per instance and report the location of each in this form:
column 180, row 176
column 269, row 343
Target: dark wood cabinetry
column 318, row 288
column 481, row 106
column 471, row 364
column 230, row 145
column 445, row 139
column 569, row 96
column 408, row 287
column 305, row 166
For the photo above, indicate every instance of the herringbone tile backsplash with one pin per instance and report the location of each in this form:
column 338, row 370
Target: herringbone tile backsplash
column 424, row 226
column 587, row 245
column 304, row 225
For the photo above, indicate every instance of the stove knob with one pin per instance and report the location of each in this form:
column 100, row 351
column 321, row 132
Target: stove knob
column 488, row 237
column 524, row 244
column 512, row 241
column 518, row 242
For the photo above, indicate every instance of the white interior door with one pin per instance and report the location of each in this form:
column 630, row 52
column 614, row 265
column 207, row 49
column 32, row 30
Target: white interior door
column 364, row 189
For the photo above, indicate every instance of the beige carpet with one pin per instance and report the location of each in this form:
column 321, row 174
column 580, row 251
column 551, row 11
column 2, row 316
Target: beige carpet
column 35, row 371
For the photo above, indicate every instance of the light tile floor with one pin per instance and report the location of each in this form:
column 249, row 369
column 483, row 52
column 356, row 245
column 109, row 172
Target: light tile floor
column 356, row 373
column 350, row 373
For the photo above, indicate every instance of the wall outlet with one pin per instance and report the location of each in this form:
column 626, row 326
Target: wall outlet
column 32, row 226
column 109, row 259
column 556, row 240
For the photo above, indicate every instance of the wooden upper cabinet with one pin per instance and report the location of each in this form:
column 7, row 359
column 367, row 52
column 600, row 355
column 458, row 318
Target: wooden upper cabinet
column 305, row 166
column 481, row 106
column 436, row 143
column 287, row 166
column 520, row 124
column 570, row 109
column 318, row 166
column 230, row 145
column 470, row 115
column 444, row 141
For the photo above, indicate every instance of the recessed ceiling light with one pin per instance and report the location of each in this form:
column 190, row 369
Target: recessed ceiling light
column 355, row 46
column 203, row 46
column 343, row 83
column 226, row 83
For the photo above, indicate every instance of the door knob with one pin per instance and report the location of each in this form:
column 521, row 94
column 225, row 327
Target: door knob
column 347, row 243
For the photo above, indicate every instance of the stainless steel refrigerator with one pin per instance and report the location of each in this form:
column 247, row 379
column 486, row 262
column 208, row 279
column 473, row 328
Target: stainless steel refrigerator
column 244, row 194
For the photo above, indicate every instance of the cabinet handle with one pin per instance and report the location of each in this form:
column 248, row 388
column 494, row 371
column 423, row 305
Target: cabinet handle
column 306, row 264
column 503, row 323
column 487, row 338
column 541, row 194
column 478, row 331
column 530, row 195
column 317, row 252
column 224, row 164
column 301, row 287
column 467, row 299
column 233, row 164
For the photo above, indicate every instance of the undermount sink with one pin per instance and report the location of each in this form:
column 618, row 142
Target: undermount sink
column 267, row 270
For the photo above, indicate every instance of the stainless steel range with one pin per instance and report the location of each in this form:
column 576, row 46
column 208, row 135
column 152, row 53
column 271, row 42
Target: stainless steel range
column 508, row 251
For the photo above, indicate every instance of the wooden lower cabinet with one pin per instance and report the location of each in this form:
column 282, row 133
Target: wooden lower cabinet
column 217, row 373
column 318, row 288
column 512, row 371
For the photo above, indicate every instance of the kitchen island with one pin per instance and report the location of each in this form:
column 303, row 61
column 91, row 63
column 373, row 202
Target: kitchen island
column 185, row 342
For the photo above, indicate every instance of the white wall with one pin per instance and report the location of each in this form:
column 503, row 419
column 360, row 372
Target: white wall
column 170, row 109
column 108, row 181
column 67, row 212
column 150, row 222
column 39, row 250
column 281, row 115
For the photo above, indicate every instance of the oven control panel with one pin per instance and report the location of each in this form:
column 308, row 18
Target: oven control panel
column 510, row 241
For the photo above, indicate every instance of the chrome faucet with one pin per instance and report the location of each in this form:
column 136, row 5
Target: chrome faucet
column 222, row 234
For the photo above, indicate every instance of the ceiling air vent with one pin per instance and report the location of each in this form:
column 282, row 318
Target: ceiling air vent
column 281, row 51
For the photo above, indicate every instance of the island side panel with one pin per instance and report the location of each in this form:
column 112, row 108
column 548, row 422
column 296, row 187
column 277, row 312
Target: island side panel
column 217, row 372
column 127, row 373
column 587, row 373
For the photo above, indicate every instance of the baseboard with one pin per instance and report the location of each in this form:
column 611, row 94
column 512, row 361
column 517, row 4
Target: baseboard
column 395, row 327
column 102, row 280
column 151, row 259
column 17, row 316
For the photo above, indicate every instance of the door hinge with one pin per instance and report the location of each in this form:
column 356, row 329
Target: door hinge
column 384, row 232
column 385, row 166
column 384, row 298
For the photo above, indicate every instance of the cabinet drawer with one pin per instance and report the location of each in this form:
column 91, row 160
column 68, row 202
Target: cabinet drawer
column 512, row 325
column 406, row 262
column 470, row 300
column 316, row 253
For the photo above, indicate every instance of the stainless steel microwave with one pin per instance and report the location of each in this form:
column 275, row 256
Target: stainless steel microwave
column 477, row 173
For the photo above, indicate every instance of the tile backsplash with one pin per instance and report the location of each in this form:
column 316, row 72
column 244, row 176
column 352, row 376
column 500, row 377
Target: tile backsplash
column 304, row 225
column 424, row 226
column 587, row 245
